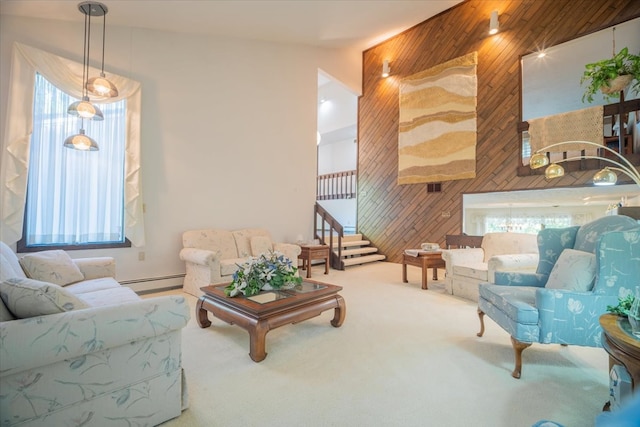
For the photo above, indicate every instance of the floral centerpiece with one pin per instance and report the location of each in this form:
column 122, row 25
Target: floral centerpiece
column 268, row 271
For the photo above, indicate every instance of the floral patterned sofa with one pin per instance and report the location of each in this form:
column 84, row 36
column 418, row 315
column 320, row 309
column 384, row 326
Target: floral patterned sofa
column 581, row 271
column 212, row 255
column 88, row 352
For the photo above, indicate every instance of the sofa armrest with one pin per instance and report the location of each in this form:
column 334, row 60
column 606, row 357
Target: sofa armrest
column 43, row 340
column 512, row 262
column 510, row 278
column 290, row 250
column 571, row 317
column 199, row 256
column 96, row 267
column 463, row 256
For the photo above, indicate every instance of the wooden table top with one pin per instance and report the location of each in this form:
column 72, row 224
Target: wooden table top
column 613, row 327
column 269, row 302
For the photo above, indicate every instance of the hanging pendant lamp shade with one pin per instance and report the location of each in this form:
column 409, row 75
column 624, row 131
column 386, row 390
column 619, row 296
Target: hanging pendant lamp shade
column 100, row 86
column 538, row 160
column 82, row 142
column 605, row 177
column 85, row 110
column 554, row 171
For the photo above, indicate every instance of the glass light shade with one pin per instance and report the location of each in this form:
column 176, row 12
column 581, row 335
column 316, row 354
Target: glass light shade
column 101, row 86
column 82, row 142
column 605, row 177
column 554, row 171
column 494, row 25
column 538, row 160
column 386, row 70
column 85, row 109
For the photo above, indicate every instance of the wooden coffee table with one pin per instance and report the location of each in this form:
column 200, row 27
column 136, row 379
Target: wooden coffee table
column 270, row 309
column 424, row 260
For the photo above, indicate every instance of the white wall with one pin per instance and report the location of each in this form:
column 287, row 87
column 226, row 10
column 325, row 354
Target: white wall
column 338, row 156
column 340, row 108
column 228, row 130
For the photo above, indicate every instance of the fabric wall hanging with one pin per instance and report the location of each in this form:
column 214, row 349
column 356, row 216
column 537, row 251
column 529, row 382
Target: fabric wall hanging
column 437, row 131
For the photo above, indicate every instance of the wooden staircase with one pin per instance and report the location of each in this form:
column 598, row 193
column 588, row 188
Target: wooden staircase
column 356, row 251
column 346, row 249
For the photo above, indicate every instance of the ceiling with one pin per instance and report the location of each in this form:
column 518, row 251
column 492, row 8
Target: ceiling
column 352, row 24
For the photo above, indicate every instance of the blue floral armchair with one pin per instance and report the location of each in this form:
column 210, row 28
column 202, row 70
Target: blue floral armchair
column 581, row 270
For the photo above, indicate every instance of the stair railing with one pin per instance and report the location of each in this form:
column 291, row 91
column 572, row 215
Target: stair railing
column 334, row 228
column 337, row 185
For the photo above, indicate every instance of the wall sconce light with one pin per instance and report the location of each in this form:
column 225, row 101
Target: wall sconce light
column 493, row 23
column 386, row 70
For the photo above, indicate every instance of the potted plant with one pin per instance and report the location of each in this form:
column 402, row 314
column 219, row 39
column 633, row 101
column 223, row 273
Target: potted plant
column 610, row 76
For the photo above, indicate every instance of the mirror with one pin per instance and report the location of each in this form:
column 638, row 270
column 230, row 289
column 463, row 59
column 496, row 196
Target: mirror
column 551, row 84
column 525, row 211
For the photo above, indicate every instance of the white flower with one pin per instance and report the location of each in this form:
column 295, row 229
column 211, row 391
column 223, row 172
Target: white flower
column 575, row 306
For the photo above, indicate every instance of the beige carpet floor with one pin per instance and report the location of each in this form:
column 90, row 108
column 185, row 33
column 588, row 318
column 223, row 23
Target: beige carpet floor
column 403, row 357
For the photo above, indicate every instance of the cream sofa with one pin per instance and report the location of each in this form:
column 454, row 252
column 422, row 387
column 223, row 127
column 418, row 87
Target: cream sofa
column 211, row 256
column 466, row 268
column 98, row 355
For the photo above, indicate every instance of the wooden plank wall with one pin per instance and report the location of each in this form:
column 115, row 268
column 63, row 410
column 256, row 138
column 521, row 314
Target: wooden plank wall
column 395, row 217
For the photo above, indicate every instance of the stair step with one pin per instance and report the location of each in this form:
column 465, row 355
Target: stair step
column 352, row 237
column 363, row 259
column 351, row 243
column 359, row 251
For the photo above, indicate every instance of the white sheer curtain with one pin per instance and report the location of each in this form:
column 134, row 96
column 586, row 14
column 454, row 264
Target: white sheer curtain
column 74, row 196
column 66, row 75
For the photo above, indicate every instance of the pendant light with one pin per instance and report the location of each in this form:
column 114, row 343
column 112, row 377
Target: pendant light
column 84, row 108
column 100, row 86
column 80, row 141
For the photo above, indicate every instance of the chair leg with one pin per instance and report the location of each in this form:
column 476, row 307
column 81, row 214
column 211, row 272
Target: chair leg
column 518, row 348
column 481, row 316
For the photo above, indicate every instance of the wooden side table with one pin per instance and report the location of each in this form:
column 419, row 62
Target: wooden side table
column 424, row 260
column 311, row 252
column 623, row 348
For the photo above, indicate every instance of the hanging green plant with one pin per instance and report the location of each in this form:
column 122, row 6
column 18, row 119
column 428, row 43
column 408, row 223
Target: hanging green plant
column 612, row 75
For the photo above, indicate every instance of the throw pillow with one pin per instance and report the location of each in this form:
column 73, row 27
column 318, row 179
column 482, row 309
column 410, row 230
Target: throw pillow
column 28, row 298
column 575, row 270
column 260, row 245
column 52, row 266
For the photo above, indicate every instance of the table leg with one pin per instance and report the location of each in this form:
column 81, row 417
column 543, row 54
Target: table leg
column 425, row 270
column 404, row 273
column 257, row 341
column 309, row 268
column 339, row 313
column 326, row 265
column 435, row 273
column 201, row 314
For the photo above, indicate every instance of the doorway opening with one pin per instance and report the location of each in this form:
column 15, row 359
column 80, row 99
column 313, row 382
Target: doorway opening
column 337, row 151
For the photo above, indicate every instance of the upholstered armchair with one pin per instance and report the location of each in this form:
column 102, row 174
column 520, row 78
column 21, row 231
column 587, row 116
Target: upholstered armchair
column 581, row 271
